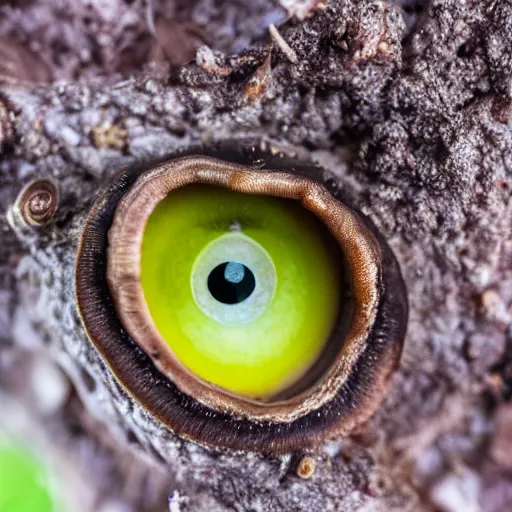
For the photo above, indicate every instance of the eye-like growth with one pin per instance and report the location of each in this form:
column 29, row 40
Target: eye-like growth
column 245, row 307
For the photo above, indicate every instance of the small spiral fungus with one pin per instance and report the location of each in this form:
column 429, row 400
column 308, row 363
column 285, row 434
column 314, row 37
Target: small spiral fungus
column 243, row 306
column 306, row 467
column 37, row 203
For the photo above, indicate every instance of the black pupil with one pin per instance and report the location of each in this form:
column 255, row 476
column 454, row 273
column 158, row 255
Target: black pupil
column 231, row 282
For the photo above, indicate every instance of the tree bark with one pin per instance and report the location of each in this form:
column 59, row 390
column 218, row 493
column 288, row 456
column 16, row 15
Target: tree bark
column 407, row 104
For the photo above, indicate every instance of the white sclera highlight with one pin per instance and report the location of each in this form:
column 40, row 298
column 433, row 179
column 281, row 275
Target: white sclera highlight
column 239, row 248
column 234, row 272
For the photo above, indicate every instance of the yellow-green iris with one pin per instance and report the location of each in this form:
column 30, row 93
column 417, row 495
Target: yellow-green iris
column 245, row 289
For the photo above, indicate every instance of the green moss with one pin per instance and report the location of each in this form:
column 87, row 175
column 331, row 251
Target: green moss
column 24, row 482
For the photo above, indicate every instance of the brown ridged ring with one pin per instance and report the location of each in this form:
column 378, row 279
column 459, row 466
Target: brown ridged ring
column 117, row 319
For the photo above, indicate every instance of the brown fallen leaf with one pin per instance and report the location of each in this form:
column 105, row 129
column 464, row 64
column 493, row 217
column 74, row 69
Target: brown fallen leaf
column 176, row 42
column 20, row 63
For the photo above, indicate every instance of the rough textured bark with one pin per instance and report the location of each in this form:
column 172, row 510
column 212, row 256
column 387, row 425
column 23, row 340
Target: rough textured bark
column 408, row 104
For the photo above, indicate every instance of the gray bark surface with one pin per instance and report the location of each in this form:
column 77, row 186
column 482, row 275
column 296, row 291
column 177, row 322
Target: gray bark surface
column 407, row 104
